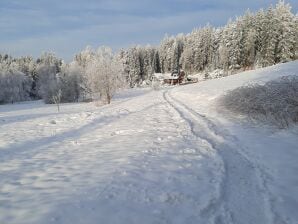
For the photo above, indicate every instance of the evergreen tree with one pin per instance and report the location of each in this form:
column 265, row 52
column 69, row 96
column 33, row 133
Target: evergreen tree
column 286, row 28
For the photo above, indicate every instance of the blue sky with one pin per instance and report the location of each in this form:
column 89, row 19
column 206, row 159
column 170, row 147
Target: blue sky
column 30, row 27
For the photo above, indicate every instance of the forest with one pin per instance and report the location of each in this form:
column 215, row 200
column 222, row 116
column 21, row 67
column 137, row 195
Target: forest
column 254, row 40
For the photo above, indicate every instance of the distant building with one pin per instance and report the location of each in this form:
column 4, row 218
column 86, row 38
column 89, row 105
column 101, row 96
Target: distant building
column 174, row 78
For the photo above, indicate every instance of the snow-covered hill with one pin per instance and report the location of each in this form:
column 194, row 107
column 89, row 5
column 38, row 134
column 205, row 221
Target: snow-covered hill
column 167, row 156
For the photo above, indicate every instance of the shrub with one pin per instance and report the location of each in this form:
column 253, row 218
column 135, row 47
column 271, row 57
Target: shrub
column 275, row 101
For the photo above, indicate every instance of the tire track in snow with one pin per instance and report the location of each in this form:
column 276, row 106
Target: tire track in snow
column 241, row 199
column 214, row 204
column 164, row 178
column 263, row 176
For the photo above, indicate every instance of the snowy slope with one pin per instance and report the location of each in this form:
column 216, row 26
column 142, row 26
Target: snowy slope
column 273, row 154
column 165, row 156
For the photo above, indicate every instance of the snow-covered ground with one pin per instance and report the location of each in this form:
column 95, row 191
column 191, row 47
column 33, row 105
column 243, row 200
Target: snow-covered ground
column 168, row 156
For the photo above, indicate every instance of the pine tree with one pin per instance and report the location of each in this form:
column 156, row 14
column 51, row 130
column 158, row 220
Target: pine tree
column 286, row 32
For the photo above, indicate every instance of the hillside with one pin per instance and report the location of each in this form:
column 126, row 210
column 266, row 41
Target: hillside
column 167, row 156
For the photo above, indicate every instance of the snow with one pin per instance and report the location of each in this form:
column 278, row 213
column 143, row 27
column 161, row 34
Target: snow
column 168, row 156
column 272, row 153
column 162, row 76
column 218, row 73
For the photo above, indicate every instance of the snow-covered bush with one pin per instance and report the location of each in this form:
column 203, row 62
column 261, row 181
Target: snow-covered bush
column 275, row 101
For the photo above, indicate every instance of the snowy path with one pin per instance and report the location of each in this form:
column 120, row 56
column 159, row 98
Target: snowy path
column 150, row 157
column 241, row 199
column 136, row 161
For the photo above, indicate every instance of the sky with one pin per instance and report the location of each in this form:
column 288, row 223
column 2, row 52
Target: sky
column 65, row 27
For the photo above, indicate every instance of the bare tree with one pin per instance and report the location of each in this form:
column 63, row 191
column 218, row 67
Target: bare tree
column 56, row 98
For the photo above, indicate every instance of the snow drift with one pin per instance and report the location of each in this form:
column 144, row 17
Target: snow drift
column 164, row 156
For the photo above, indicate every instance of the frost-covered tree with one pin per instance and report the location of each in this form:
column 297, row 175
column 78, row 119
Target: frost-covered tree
column 170, row 52
column 14, row 86
column 258, row 39
column 70, row 82
column 133, row 65
column 249, row 50
column 296, row 39
column 139, row 63
column 84, row 57
column 215, row 55
column 287, row 30
column 261, row 39
column 48, row 70
column 248, row 41
column 269, row 39
column 200, row 49
column 187, row 59
column 106, row 72
column 232, row 36
column 224, row 57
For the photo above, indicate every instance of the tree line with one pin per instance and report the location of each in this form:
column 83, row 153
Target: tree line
column 259, row 39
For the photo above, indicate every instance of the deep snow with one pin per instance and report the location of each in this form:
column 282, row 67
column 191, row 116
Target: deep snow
column 168, row 156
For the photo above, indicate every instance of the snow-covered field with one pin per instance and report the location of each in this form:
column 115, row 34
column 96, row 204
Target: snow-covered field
column 168, row 156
